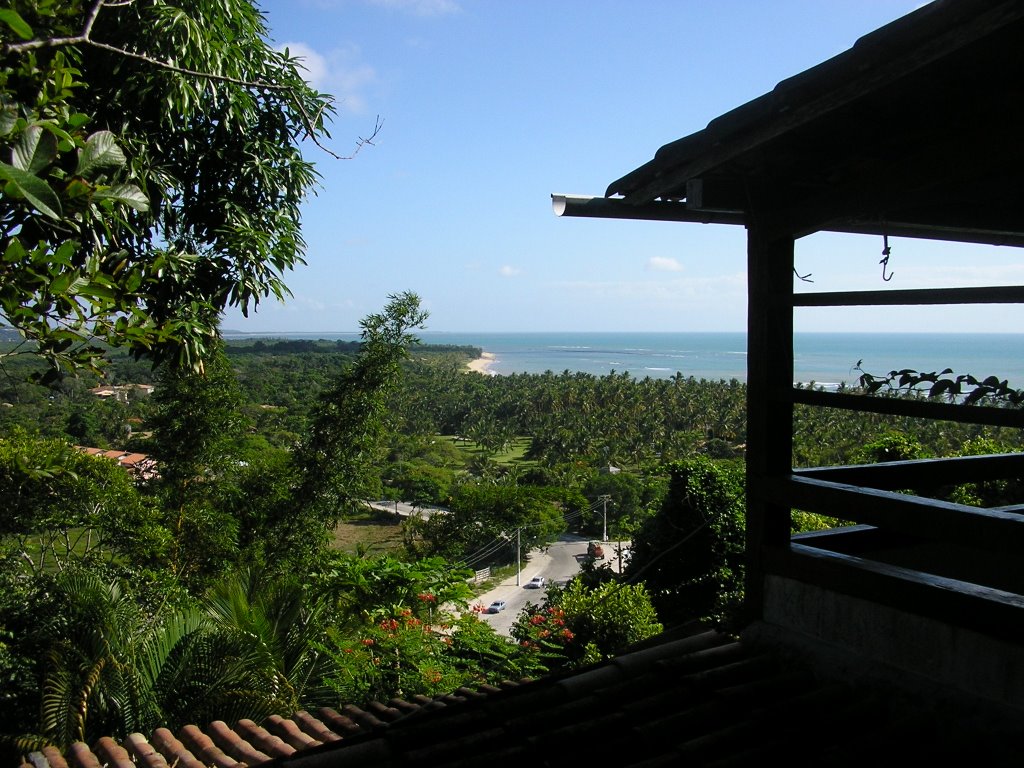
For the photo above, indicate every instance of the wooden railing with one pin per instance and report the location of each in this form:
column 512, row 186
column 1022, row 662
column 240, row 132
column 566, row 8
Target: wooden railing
column 906, row 549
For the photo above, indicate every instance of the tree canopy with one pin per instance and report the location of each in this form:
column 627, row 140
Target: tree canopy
column 150, row 171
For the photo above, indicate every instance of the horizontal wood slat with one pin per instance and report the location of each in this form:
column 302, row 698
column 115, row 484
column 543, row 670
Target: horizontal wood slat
column 923, row 409
column 990, row 530
column 893, row 475
column 997, row 294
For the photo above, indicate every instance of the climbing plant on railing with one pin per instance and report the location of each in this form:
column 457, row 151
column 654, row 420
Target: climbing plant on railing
column 963, row 388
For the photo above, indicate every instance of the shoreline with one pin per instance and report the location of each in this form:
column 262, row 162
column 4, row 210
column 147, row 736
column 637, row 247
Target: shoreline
column 483, row 363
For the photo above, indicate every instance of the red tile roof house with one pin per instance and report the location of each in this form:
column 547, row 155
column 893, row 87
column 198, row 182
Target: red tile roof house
column 140, row 465
column 899, row 641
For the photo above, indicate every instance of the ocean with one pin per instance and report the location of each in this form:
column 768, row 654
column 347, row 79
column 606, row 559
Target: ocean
column 826, row 359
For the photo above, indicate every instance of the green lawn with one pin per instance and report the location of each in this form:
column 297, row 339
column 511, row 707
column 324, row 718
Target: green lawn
column 472, row 450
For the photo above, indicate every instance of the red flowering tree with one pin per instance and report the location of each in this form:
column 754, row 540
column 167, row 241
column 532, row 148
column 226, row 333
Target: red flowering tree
column 583, row 625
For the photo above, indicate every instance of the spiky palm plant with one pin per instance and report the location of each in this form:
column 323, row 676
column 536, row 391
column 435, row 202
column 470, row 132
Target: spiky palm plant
column 273, row 628
column 110, row 668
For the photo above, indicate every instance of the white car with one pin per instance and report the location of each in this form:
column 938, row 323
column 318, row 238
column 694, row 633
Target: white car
column 496, row 607
column 537, row 582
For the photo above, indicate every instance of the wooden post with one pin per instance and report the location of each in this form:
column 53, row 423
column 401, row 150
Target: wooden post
column 769, row 408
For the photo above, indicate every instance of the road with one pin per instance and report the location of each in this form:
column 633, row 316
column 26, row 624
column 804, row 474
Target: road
column 559, row 563
column 403, row 508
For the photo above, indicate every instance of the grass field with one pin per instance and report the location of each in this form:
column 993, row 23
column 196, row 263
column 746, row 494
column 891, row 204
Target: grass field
column 472, row 450
column 376, row 533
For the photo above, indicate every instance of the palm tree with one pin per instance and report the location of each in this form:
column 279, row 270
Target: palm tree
column 109, row 665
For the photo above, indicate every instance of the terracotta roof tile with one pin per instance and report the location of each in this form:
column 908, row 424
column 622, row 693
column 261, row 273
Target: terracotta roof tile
column 296, row 733
column 263, row 740
column 54, row 758
column 174, row 751
column 112, row 754
column 143, row 753
column 204, row 747
column 705, row 699
column 80, row 756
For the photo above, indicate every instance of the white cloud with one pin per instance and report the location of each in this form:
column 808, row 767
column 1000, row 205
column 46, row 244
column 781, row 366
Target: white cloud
column 337, row 72
column 664, row 264
column 509, row 271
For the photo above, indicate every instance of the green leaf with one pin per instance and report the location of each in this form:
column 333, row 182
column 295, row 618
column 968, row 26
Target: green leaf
column 77, row 187
column 97, row 290
column 60, row 283
column 35, row 150
column 16, row 23
column 100, row 151
column 15, row 251
column 127, row 194
column 8, row 119
column 33, row 189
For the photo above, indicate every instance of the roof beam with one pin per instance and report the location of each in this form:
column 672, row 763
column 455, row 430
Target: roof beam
column 657, row 210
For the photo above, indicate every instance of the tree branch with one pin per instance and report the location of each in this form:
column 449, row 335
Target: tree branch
column 84, row 38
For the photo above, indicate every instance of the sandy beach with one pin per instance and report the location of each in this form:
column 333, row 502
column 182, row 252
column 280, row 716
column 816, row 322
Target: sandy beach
column 482, row 364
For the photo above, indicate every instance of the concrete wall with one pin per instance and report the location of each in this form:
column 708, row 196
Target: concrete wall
column 860, row 641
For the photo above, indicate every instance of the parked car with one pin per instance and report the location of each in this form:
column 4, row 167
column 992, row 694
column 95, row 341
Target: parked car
column 496, row 607
column 537, row 582
column 595, row 550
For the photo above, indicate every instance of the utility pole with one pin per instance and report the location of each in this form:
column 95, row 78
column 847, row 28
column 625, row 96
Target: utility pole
column 604, row 532
column 518, row 550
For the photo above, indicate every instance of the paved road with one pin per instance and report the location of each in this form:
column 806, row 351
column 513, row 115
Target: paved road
column 403, row 508
column 559, row 563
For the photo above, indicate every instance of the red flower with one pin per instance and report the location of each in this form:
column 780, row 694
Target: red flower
column 367, row 641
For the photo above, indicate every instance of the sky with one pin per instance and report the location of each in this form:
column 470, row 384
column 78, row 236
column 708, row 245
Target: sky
column 488, row 107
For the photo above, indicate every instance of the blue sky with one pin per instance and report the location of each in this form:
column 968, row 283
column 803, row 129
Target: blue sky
column 489, row 107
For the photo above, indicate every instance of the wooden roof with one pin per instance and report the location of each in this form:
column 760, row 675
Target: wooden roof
column 914, row 131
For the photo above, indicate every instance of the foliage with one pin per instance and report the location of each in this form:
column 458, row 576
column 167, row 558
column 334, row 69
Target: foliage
column 197, row 429
column 151, row 174
column 62, row 505
column 418, row 482
column 891, row 446
column 690, row 554
column 481, row 655
column 366, row 589
column 987, row 493
column 398, row 656
column 400, row 636
column 964, row 388
column 102, row 660
column 110, row 666
column 404, row 656
column 483, row 521
column 268, row 631
column 584, row 625
column 339, row 460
